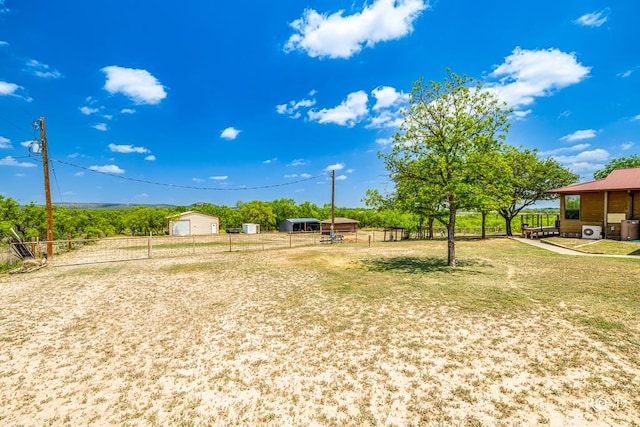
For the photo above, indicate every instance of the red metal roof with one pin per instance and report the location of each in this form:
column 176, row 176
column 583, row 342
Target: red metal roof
column 618, row 180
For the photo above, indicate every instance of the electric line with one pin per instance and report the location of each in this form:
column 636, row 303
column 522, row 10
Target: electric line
column 190, row 187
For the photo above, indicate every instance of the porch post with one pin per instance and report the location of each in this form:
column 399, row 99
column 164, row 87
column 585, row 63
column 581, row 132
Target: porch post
column 606, row 213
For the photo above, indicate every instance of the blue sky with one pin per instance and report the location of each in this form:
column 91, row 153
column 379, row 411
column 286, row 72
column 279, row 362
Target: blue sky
column 150, row 102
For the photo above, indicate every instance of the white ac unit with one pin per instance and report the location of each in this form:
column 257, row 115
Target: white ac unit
column 592, row 232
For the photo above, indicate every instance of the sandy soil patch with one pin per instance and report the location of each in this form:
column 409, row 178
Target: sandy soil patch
column 280, row 338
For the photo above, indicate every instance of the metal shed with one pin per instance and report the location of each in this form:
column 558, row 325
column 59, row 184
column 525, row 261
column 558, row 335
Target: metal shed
column 300, row 225
column 193, row 224
column 251, row 228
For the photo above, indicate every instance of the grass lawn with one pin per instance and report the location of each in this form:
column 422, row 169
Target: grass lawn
column 332, row 335
column 602, row 246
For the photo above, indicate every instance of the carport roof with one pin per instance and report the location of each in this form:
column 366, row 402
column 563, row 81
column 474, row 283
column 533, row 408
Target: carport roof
column 302, row 220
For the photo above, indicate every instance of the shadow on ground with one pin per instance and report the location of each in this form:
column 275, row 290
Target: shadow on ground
column 407, row 264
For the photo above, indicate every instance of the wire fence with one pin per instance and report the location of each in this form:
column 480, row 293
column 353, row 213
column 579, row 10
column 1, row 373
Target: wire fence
column 89, row 251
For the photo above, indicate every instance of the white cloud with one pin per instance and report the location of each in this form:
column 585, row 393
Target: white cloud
column 625, row 74
column 100, row 126
column 519, row 115
column 577, row 147
column 298, row 162
column 3, row 43
column 528, row 74
column 139, row 85
column 87, row 111
column 150, row 158
column 108, row 116
column 293, row 175
column 230, row 133
column 219, row 177
column 586, row 156
column 334, row 167
column 579, row 135
column 305, row 175
column 339, row 36
column 341, row 177
column 350, row 170
column 5, row 142
column 291, row 108
column 593, row 19
column 78, row 174
column 626, row 145
column 8, row 88
column 386, row 119
column 197, row 179
column 348, row 113
column 10, row 161
column 384, row 141
column 42, row 70
column 268, row 161
column 387, row 96
column 127, row 149
column 636, row 118
column 2, row 8
column 128, row 111
column 109, row 169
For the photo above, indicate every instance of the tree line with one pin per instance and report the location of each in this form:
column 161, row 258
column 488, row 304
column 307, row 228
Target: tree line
column 29, row 221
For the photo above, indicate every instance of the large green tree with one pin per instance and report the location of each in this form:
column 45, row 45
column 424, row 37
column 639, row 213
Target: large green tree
column 529, row 179
column 449, row 131
column 632, row 161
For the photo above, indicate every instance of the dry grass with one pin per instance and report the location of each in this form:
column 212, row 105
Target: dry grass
column 602, row 246
column 336, row 335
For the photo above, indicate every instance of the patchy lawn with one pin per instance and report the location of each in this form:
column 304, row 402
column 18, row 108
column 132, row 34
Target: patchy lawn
column 336, row 335
column 602, row 246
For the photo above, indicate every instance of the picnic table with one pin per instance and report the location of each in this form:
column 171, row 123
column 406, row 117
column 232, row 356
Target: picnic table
column 531, row 232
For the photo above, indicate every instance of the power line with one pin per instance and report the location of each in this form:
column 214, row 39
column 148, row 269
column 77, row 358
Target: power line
column 190, row 187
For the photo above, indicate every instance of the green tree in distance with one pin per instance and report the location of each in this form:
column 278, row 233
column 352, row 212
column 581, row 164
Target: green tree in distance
column 529, row 179
column 448, row 131
column 632, row 161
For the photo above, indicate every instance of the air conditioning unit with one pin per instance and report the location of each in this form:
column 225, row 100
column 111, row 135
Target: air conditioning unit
column 592, row 232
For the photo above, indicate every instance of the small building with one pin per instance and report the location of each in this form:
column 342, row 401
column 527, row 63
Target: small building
column 300, row 225
column 341, row 226
column 251, row 228
column 600, row 208
column 193, row 224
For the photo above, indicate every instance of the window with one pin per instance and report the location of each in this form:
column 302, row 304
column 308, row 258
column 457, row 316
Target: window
column 571, row 207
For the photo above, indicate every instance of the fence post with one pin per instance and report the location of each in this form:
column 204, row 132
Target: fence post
column 369, row 240
column 150, row 247
column 229, row 242
column 69, row 243
column 290, row 241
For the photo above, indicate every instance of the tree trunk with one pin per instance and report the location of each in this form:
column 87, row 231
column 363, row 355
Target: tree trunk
column 484, row 225
column 430, row 227
column 507, row 226
column 451, row 246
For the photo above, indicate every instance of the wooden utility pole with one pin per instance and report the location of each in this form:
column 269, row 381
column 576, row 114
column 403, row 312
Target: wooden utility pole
column 333, row 201
column 47, row 187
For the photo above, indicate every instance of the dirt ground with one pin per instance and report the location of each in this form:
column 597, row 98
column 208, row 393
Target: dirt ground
column 262, row 338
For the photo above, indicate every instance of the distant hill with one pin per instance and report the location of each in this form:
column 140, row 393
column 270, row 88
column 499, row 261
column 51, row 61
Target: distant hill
column 89, row 206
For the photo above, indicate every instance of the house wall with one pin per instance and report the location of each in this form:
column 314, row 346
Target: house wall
column 592, row 212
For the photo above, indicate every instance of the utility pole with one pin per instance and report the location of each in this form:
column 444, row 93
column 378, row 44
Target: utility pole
column 47, row 187
column 333, row 201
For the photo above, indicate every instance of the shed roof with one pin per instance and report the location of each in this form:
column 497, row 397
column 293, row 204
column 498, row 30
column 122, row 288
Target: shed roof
column 190, row 213
column 618, row 180
column 302, row 220
column 341, row 221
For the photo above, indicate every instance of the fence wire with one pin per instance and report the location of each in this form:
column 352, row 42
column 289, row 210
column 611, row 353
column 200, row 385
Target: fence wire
column 111, row 249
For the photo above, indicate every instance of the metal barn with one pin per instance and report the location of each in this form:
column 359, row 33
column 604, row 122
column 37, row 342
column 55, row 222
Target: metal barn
column 193, row 224
column 300, row 225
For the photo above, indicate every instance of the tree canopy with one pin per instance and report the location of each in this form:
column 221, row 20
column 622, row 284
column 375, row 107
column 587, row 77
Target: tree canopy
column 632, row 161
column 450, row 134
